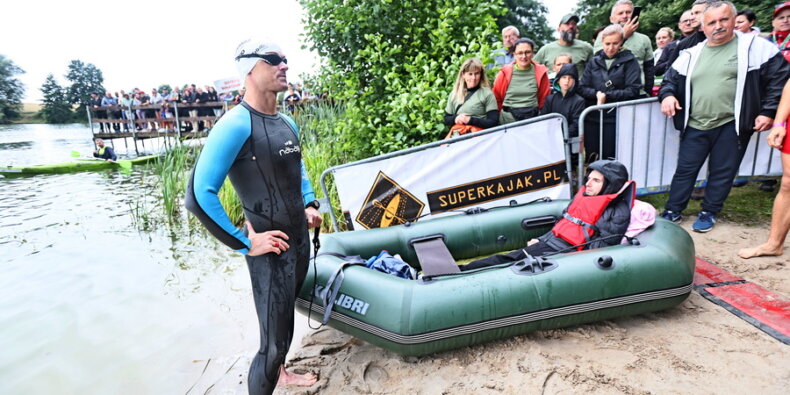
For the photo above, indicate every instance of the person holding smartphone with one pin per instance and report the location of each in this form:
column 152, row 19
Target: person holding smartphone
column 626, row 15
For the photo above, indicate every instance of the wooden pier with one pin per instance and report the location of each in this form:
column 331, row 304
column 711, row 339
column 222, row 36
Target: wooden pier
column 177, row 127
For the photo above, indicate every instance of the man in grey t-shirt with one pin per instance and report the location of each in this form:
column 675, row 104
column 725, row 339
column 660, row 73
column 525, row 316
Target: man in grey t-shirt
column 579, row 50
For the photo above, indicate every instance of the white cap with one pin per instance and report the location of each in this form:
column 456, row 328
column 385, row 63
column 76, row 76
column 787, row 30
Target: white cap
column 252, row 46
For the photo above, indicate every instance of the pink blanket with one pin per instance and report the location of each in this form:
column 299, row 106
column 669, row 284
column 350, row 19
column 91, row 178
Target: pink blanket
column 643, row 215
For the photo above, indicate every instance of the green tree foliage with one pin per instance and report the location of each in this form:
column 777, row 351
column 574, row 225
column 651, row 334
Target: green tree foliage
column 84, row 78
column 11, row 90
column 763, row 9
column 393, row 62
column 529, row 16
column 56, row 107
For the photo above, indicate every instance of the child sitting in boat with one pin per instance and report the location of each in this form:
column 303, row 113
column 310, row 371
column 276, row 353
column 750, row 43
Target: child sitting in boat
column 598, row 216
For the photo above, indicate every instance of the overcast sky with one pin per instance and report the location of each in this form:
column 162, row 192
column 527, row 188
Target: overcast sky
column 145, row 43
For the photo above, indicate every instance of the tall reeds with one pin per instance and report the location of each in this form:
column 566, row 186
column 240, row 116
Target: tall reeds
column 320, row 143
column 173, row 170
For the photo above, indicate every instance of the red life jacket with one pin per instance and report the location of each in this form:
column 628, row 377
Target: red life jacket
column 577, row 224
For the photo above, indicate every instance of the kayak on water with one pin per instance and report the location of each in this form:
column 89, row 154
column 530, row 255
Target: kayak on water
column 81, row 164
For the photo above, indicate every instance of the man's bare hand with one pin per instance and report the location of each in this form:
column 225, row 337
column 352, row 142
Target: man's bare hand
column 313, row 217
column 630, row 27
column 762, row 123
column 669, row 106
column 266, row 242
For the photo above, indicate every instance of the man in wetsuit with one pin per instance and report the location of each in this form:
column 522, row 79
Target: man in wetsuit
column 104, row 152
column 258, row 149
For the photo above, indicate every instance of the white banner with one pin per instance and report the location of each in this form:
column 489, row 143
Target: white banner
column 525, row 162
column 648, row 144
column 227, row 85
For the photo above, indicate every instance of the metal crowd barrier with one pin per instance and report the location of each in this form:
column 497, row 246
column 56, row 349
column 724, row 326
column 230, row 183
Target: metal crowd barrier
column 640, row 156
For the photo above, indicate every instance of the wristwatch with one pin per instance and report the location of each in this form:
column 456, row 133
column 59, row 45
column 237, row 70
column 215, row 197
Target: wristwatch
column 314, row 204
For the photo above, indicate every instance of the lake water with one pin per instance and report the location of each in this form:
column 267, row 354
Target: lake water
column 89, row 304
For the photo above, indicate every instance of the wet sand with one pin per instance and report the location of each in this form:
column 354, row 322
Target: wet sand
column 696, row 347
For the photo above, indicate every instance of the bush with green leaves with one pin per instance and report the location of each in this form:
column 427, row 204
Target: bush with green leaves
column 393, row 64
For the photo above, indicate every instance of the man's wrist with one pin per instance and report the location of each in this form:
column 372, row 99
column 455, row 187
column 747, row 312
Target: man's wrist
column 314, row 204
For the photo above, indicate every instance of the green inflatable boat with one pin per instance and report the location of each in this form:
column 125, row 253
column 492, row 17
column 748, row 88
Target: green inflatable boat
column 85, row 164
column 443, row 312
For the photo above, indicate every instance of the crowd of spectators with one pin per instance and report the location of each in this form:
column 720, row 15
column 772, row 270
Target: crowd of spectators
column 298, row 96
column 198, row 107
column 721, row 81
column 155, row 111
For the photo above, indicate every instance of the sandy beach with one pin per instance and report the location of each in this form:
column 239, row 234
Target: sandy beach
column 696, row 347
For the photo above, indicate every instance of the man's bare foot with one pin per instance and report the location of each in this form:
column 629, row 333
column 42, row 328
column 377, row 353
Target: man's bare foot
column 760, row 250
column 301, row 380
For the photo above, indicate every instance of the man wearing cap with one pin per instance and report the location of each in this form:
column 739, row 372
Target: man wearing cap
column 504, row 56
column 639, row 44
column 781, row 34
column 258, row 149
column 718, row 92
column 579, row 50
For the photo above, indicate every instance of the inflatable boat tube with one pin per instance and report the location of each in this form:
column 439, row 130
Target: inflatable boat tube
column 417, row 317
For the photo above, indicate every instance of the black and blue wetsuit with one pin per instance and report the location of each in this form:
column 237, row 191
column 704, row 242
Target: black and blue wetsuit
column 261, row 155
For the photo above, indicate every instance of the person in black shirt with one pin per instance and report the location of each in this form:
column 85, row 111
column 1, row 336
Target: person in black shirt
column 687, row 42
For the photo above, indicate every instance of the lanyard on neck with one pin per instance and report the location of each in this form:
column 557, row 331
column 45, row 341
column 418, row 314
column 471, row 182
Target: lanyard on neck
column 782, row 46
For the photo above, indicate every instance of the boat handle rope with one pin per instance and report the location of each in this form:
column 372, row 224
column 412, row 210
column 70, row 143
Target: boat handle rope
column 332, row 288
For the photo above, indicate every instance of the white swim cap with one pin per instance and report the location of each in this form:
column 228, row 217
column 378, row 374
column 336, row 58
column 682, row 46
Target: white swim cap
column 252, row 46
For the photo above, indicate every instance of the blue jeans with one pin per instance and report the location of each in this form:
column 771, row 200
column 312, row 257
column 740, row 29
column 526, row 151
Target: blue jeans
column 723, row 147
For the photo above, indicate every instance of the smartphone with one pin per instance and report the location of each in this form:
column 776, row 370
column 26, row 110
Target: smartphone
column 637, row 11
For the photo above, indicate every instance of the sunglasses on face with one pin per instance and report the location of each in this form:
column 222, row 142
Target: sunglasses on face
column 269, row 58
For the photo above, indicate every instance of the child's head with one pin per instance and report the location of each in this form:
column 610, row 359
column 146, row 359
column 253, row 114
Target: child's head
column 560, row 60
column 566, row 77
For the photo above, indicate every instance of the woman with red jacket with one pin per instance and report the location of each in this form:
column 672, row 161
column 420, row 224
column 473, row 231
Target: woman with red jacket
column 521, row 87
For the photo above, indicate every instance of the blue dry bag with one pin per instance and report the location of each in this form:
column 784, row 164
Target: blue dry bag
column 384, row 262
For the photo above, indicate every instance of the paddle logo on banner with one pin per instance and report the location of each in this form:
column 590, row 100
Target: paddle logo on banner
column 388, row 204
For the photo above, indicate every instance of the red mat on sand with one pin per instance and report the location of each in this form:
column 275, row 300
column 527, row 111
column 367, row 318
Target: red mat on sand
column 764, row 309
column 708, row 273
column 761, row 304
